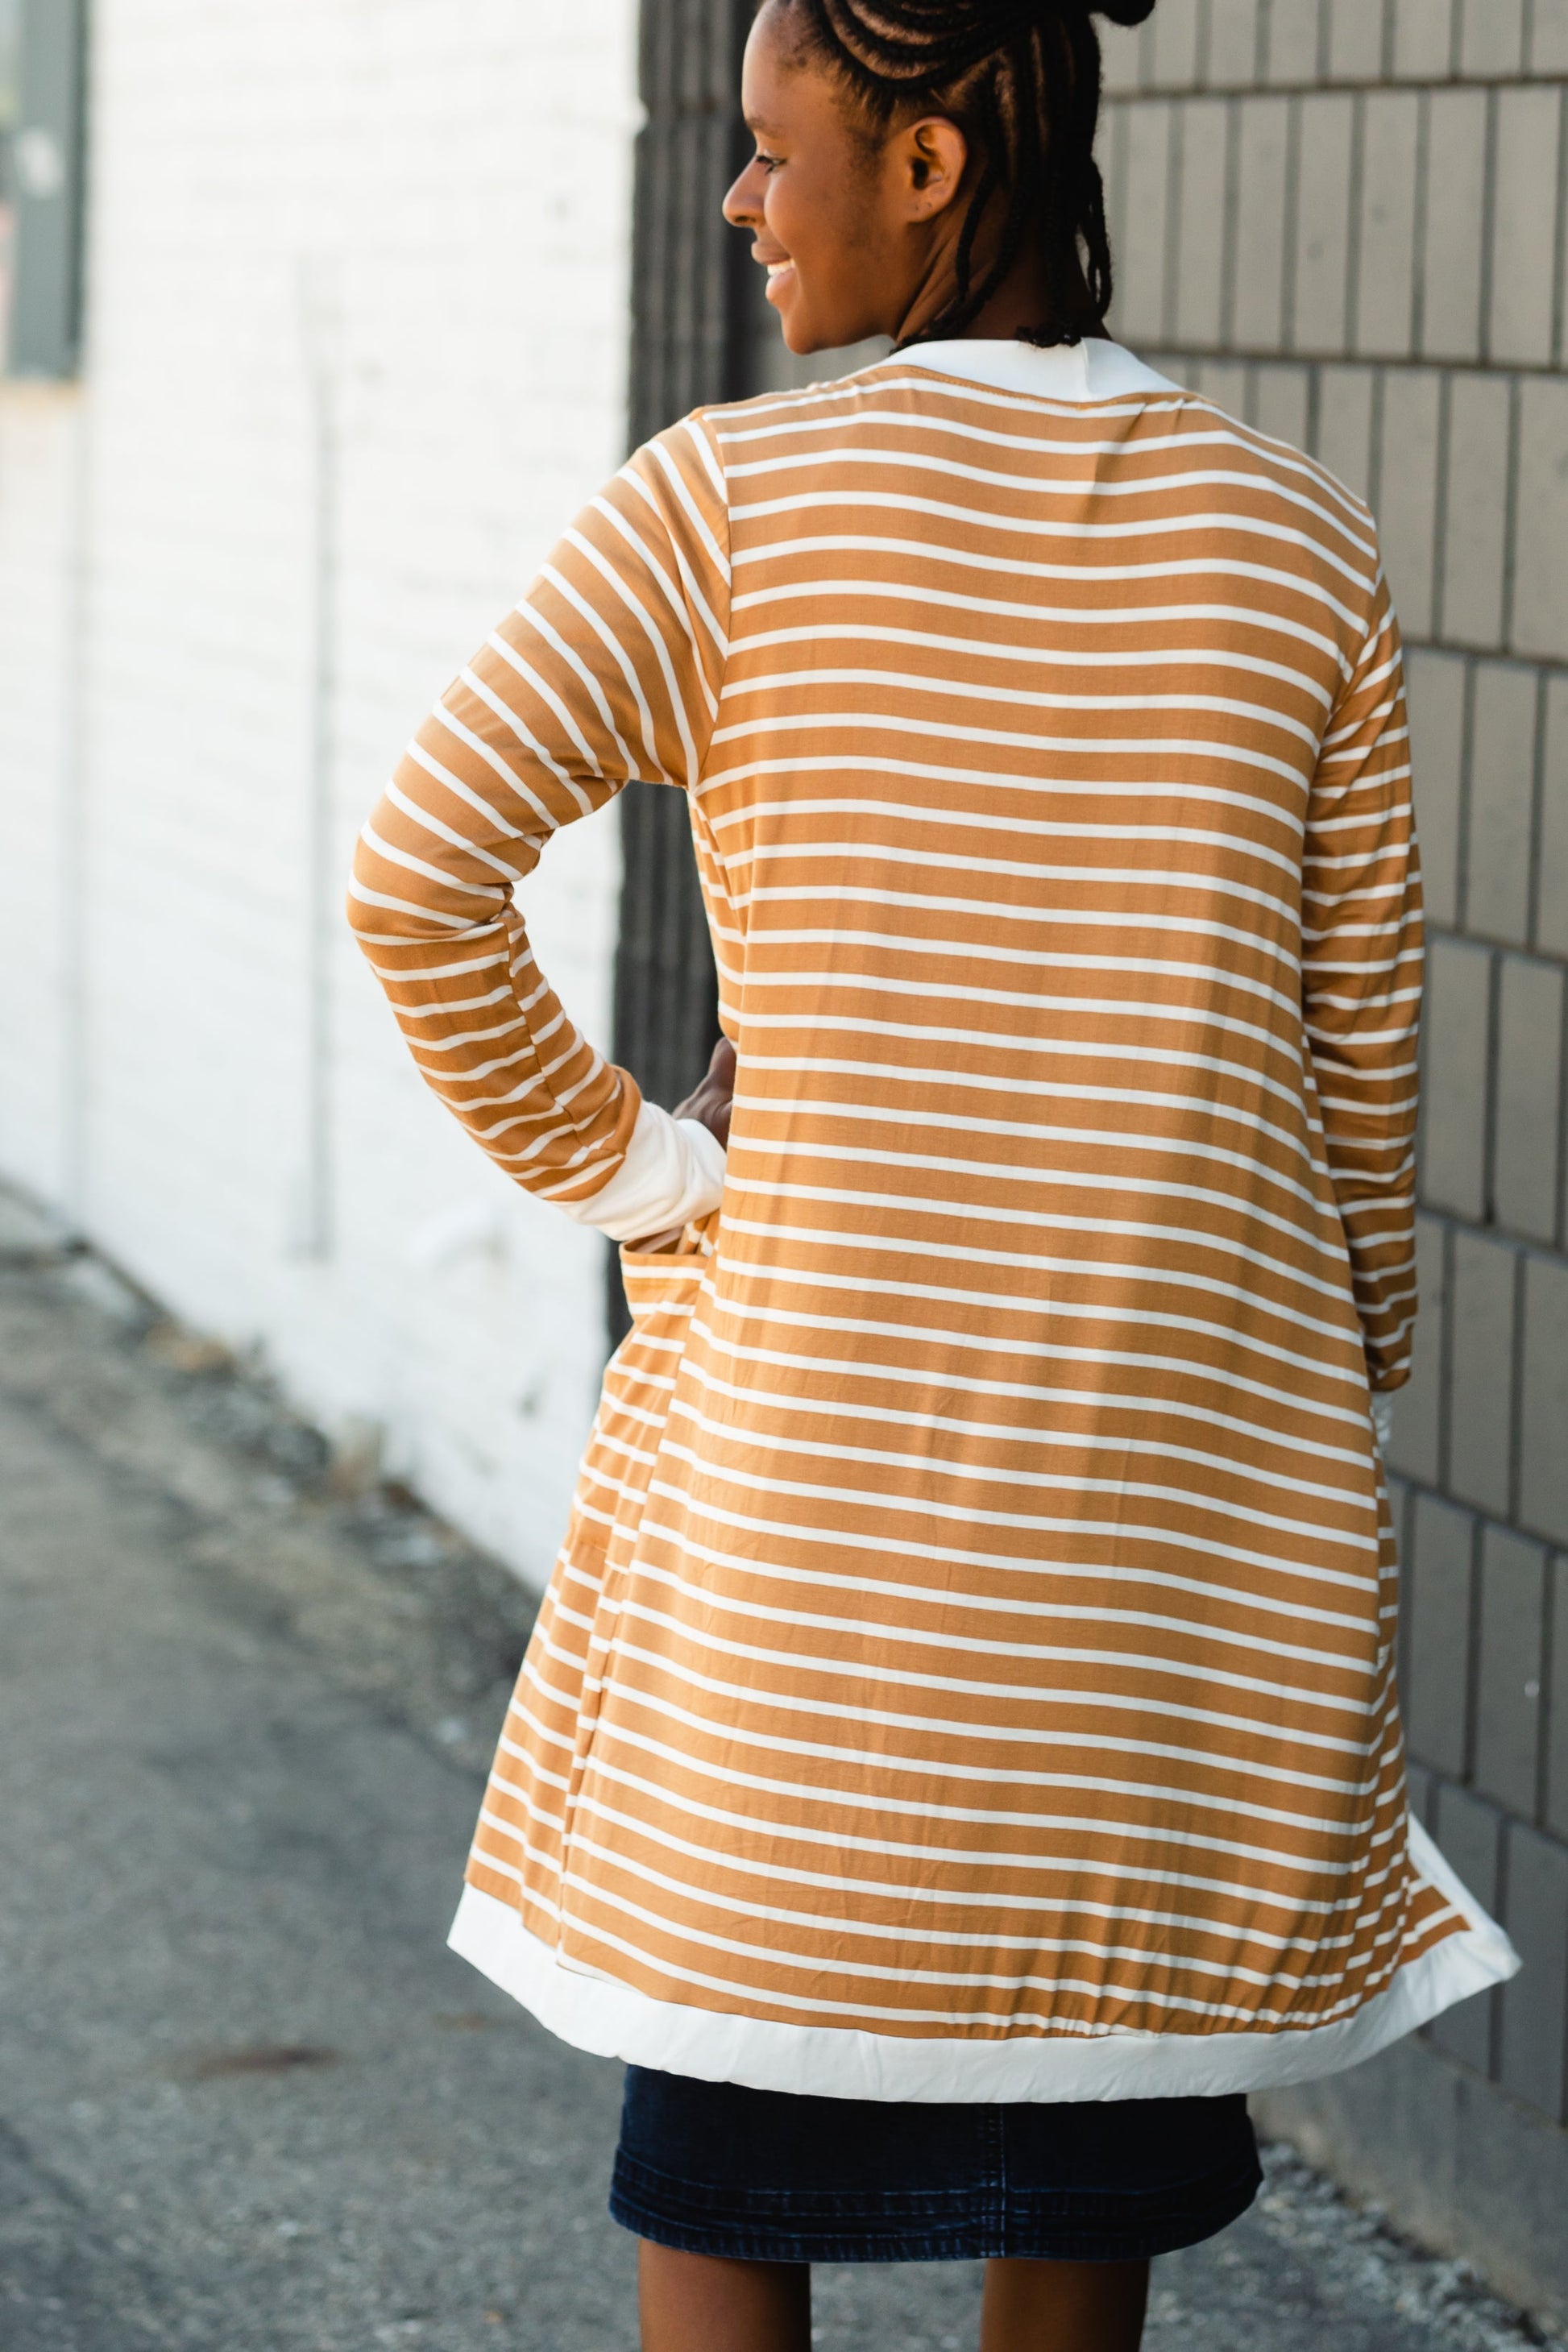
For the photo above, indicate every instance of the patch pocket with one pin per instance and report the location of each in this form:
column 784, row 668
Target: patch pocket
column 665, row 1283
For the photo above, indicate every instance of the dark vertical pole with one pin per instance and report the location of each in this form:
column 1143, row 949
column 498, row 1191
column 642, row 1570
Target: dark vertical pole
column 46, row 172
column 686, row 348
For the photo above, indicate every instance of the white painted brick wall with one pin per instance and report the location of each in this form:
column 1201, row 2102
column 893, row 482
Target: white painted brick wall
column 440, row 212
column 39, row 445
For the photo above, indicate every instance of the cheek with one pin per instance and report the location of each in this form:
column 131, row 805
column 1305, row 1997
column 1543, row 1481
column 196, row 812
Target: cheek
column 822, row 223
column 788, row 209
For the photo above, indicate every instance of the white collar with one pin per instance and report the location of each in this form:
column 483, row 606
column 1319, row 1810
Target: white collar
column 1095, row 369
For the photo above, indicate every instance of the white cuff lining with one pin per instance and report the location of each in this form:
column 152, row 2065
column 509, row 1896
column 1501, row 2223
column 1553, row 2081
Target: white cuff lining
column 673, row 1171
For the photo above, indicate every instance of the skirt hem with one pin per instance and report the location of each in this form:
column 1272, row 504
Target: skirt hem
column 1012, row 2231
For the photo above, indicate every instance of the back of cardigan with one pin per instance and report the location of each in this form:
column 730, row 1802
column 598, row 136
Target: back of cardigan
column 969, row 1671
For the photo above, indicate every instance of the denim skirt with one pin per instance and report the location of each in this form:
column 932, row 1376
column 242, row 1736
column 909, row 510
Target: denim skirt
column 771, row 2176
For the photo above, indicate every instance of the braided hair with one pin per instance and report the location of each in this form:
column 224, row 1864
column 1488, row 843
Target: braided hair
column 1021, row 78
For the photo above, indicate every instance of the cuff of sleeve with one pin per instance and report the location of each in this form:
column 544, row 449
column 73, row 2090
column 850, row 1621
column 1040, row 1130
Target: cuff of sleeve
column 1383, row 1418
column 673, row 1171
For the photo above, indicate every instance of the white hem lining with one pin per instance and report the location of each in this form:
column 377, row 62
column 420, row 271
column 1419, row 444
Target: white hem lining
column 614, row 2021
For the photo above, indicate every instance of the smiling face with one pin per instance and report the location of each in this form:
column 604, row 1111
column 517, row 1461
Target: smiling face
column 856, row 225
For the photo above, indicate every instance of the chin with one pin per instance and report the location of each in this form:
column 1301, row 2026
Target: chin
column 802, row 338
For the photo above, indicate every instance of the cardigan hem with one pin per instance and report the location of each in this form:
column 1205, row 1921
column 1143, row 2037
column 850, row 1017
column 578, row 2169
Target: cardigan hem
column 597, row 2013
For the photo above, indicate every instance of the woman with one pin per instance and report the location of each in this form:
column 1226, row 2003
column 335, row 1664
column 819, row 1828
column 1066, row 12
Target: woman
column 959, row 1757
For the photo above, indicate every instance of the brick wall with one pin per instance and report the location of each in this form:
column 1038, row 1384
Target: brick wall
column 356, row 349
column 1345, row 220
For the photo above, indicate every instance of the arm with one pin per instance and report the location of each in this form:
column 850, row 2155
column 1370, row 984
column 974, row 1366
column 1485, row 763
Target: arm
column 608, row 670
column 1361, row 955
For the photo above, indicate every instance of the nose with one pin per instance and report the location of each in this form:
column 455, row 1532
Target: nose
column 744, row 205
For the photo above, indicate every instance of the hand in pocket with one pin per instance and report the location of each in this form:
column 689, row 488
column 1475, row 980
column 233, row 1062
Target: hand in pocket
column 709, row 1103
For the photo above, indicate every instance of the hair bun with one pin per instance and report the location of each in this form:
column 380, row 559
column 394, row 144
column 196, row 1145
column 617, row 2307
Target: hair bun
column 1124, row 12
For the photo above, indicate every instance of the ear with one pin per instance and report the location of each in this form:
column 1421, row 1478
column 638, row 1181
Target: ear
column 929, row 159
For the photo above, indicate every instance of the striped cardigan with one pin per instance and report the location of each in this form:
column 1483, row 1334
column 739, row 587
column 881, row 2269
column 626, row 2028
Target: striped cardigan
column 969, row 1670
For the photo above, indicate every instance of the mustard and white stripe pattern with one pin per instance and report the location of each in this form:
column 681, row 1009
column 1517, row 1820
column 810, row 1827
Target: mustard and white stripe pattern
column 974, row 1633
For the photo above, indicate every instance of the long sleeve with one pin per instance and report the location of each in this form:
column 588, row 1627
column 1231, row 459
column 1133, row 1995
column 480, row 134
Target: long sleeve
column 609, row 669
column 1361, row 986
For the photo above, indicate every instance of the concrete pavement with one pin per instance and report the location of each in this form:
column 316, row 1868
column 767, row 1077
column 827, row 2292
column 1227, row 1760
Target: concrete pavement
column 249, row 2102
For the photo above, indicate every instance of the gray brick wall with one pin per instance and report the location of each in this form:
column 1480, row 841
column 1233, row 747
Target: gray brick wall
column 1344, row 219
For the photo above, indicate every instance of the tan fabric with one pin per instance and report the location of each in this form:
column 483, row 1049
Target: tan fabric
column 976, row 1619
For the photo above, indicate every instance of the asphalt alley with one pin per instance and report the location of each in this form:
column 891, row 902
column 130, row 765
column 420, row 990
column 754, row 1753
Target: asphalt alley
column 248, row 2102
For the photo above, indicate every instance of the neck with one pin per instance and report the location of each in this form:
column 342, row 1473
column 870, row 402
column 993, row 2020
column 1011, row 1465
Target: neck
column 1020, row 301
